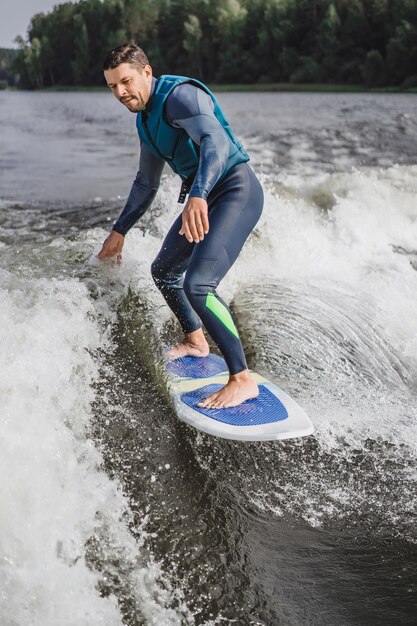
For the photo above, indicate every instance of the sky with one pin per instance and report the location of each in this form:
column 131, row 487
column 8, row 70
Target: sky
column 16, row 15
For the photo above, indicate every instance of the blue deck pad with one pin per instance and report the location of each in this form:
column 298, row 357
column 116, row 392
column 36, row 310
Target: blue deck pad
column 264, row 409
column 197, row 367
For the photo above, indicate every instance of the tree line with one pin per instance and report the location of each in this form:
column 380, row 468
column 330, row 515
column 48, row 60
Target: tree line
column 7, row 75
column 361, row 42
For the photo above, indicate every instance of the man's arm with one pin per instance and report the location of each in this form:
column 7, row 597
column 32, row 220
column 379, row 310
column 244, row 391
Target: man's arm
column 191, row 108
column 143, row 190
column 140, row 198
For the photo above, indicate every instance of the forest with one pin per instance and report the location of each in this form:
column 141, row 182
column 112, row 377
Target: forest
column 7, row 76
column 347, row 42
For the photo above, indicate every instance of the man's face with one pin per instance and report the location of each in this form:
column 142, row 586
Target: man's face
column 130, row 85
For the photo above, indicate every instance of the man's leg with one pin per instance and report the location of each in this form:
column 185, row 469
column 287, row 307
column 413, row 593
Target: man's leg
column 234, row 208
column 168, row 273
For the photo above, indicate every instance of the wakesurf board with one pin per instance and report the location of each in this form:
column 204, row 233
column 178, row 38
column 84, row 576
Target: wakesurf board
column 272, row 415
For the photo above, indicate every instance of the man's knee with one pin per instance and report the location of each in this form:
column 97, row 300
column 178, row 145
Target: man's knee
column 195, row 287
column 165, row 277
column 157, row 272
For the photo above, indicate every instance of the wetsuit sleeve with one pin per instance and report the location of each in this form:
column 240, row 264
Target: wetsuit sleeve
column 143, row 190
column 191, row 108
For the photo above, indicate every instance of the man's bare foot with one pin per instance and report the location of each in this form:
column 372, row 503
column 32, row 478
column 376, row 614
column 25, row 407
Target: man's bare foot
column 194, row 344
column 240, row 387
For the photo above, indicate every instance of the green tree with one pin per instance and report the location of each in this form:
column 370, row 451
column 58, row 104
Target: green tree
column 192, row 44
column 289, row 61
column 170, row 38
column 308, row 71
column 374, row 71
column 81, row 62
column 21, row 64
column 401, row 53
column 328, row 42
column 229, row 24
column 350, row 41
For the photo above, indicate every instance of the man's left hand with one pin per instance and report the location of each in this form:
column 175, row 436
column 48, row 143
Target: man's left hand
column 112, row 248
column 195, row 222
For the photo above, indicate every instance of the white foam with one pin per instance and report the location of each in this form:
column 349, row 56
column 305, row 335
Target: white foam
column 349, row 262
column 350, row 249
column 350, row 272
column 54, row 494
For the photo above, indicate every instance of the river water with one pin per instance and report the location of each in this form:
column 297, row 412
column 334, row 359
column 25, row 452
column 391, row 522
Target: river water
column 114, row 512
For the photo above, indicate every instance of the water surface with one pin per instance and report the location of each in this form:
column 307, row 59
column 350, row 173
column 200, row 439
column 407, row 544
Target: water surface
column 115, row 512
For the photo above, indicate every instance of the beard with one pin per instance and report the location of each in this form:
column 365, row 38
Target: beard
column 132, row 103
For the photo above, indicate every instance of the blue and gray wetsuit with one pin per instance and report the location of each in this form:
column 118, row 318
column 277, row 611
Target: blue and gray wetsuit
column 188, row 273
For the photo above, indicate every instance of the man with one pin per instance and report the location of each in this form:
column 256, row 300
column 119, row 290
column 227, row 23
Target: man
column 180, row 122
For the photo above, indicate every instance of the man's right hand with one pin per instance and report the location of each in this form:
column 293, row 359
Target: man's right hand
column 112, row 247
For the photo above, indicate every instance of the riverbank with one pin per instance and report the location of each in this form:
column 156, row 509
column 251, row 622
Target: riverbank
column 313, row 87
column 257, row 87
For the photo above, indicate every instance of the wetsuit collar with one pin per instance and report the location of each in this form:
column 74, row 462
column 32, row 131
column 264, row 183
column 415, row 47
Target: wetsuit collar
column 148, row 106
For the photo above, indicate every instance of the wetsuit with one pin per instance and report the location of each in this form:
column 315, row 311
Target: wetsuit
column 188, row 273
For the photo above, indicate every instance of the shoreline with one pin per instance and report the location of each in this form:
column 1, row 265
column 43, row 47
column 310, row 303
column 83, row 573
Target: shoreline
column 256, row 87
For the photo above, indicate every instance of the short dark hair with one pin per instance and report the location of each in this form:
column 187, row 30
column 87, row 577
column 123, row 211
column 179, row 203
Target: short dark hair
column 128, row 52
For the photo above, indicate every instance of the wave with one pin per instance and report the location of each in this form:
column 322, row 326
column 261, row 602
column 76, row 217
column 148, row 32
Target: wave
column 67, row 551
column 324, row 296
